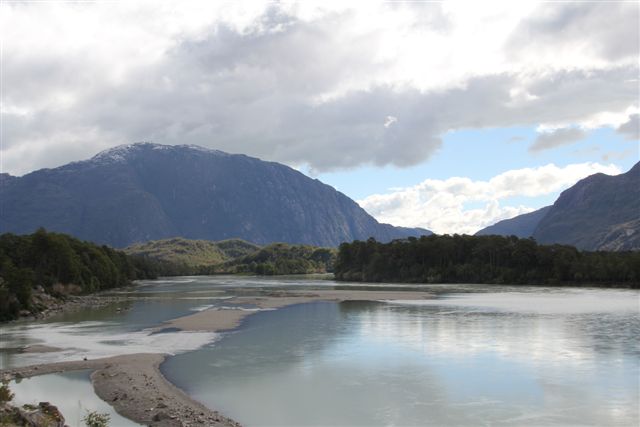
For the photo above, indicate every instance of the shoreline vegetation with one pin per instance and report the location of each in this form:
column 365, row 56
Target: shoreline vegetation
column 44, row 271
column 118, row 379
column 484, row 260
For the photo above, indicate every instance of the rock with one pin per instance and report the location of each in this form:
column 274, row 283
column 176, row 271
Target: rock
column 161, row 405
column 44, row 415
column 161, row 415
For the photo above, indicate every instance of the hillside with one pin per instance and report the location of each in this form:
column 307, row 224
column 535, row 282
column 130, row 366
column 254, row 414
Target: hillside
column 141, row 192
column 180, row 256
column 193, row 253
column 520, row 226
column 599, row 212
column 281, row 258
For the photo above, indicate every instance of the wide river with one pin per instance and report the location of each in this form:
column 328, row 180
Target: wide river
column 473, row 355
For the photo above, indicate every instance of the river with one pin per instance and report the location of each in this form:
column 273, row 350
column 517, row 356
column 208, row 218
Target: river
column 475, row 354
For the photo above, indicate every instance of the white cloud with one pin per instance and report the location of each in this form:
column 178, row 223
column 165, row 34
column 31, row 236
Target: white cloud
column 305, row 83
column 440, row 205
column 390, row 120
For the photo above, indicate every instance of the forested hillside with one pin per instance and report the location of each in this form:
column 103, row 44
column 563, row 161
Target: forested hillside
column 58, row 265
column 193, row 253
column 483, row 259
column 282, row 258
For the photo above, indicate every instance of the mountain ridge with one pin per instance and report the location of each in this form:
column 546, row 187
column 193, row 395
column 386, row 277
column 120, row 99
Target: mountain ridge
column 140, row 192
column 599, row 212
column 521, row 226
column 589, row 211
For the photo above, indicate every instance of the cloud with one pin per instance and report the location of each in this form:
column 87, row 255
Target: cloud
column 390, row 120
column 575, row 33
column 442, row 205
column 557, row 138
column 304, row 84
column 631, row 128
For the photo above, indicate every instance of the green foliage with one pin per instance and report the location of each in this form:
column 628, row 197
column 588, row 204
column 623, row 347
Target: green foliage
column 283, row 258
column 58, row 262
column 96, row 419
column 5, row 393
column 190, row 254
column 483, row 259
column 178, row 256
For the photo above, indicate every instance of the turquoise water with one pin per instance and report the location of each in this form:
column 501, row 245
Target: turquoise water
column 474, row 355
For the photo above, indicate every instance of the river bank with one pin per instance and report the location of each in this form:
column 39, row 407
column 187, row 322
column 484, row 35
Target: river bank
column 135, row 387
column 46, row 306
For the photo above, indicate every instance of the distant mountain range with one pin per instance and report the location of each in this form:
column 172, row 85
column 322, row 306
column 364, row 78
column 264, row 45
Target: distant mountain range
column 600, row 212
column 141, row 192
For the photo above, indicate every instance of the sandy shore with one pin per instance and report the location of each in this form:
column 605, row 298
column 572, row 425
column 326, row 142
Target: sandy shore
column 135, row 387
column 215, row 319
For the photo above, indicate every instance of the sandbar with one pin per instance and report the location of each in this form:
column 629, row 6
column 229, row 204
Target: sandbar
column 217, row 319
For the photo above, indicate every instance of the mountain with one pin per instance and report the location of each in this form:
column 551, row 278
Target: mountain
column 521, row 225
column 6, row 179
column 598, row 212
column 141, row 192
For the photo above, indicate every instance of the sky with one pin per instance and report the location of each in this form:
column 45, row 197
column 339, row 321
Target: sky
column 445, row 115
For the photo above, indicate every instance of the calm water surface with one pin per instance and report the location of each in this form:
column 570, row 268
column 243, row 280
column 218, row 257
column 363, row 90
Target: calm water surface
column 475, row 355
column 71, row 392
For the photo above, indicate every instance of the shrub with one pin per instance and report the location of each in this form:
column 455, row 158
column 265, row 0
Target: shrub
column 5, row 393
column 96, row 419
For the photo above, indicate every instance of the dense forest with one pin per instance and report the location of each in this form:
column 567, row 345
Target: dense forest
column 483, row 259
column 58, row 265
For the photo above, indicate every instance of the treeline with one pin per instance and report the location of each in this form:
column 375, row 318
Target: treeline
column 283, row 258
column 57, row 265
column 483, row 259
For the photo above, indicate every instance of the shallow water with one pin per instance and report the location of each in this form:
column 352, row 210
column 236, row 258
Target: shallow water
column 532, row 358
column 71, row 392
column 474, row 355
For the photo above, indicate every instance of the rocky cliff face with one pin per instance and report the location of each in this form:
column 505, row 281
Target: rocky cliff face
column 599, row 212
column 144, row 191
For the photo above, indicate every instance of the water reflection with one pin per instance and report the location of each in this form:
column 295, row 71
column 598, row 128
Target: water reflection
column 475, row 355
column 362, row 363
column 71, row 392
